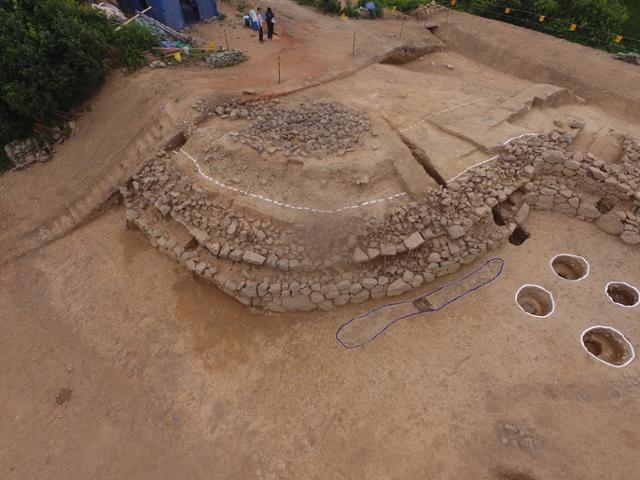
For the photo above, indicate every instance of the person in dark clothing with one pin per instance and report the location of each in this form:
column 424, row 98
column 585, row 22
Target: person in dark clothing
column 260, row 25
column 326, row 6
column 271, row 22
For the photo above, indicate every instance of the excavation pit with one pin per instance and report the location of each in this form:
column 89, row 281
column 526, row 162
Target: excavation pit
column 535, row 301
column 498, row 218
column 606, row 204
column 608, row 345
column 175, row 142
column 519, row 236
column 405, row 54
column 570, row 267
column 623, row 294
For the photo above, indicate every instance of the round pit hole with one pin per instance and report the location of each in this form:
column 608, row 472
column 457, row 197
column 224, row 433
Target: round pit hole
column 608, row 345
column 570, row 267
column 621, row 293
column 535, row 300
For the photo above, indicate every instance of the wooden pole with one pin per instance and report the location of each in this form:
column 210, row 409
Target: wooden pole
column 354, row 44
column 226, row 39
column 278, row 69
column 401, row 28
column 133, row 18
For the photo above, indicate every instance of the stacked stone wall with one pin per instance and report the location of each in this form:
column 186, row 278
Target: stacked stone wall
column 352, row 259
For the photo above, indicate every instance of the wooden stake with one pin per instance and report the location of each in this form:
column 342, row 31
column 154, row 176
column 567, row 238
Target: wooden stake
column 401, row 28
column 226, row 39
column 354, row 44
column 278, row 69
column 133, row 18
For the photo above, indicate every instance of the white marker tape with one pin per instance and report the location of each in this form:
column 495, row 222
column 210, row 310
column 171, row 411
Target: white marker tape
column 446, row 110
column 280, row 204
column 492, row 158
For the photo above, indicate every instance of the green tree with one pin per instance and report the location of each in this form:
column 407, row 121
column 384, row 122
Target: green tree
column 53, row 55
column 597, row 20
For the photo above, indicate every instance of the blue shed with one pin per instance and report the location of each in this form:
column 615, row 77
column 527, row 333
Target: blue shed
column 175, row 13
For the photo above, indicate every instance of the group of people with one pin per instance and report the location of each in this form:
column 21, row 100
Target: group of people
column 258, row 19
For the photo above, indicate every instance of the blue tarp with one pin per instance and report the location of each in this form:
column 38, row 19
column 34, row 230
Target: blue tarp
column 169, row 12
column 207, row 9
column 131, row 5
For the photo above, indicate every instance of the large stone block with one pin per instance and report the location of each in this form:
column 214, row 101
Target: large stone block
column 610, row 223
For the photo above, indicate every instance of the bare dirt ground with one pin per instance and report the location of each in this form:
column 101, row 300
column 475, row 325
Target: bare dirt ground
column 173, row 379
column 115, row 363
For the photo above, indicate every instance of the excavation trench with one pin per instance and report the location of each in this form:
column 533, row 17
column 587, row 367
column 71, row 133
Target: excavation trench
column 175, row 142
column 422, row 158
column 407, row 53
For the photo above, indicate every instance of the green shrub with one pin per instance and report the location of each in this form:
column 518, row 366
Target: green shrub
column 130, row 42
column 349, row 10
column 52, row 56
column 407, row 5
column 5, row 163
column 597, row 20
column 334, row 6
column 632, row 27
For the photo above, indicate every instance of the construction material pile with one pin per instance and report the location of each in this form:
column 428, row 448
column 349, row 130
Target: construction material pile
column 310, row 128
column 226, row 58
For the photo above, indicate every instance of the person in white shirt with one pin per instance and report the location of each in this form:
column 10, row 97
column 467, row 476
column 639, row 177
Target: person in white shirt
column 253, row 15
column 260, row 24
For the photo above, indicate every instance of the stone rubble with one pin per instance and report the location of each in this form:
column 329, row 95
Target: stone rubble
column 298, row 130
column 25, row 152
column 630, row 57
column 310, row 128
column 226, row 58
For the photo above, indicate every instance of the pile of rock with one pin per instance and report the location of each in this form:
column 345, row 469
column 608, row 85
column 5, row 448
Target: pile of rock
column 310, row 128
column 25, row 152
column 433, row 8
column 628, row 57
column 226, row 58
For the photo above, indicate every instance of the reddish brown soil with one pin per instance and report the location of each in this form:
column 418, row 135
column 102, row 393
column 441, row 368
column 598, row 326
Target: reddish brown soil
column 115, row 363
